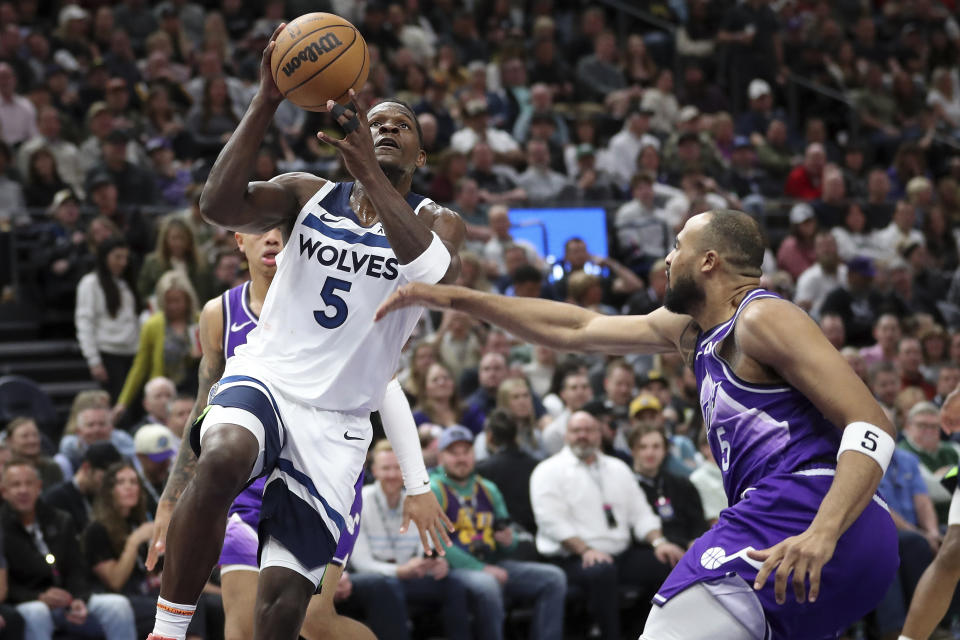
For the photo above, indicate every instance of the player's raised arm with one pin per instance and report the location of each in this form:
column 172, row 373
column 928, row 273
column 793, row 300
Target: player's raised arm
column 557, row 325
column 780, row 336
column 185, row 466
column 227, row 199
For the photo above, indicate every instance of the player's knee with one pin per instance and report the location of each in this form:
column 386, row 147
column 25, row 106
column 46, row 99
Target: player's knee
column 227, row 458
column 948, row 559
column 279, row 607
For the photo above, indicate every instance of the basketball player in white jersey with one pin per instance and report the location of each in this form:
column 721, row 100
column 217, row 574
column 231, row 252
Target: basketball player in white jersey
column 935, row 591
column 294, row 402
column 225, row 323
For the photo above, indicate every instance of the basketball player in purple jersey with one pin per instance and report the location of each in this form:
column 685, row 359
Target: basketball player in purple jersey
column 934, row 592
column 779, row 403
column 225, row 322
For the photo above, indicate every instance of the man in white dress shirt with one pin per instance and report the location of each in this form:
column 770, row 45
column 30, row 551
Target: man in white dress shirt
column 586, row 505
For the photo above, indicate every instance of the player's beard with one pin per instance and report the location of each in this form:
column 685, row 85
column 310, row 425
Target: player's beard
column 684, row 295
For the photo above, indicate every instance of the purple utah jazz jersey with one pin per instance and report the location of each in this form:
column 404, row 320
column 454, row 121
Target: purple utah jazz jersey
column 756, row 430
column 778, row 455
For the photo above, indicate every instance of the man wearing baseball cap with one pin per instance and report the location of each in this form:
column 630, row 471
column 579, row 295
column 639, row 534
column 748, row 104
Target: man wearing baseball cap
column 155, row 445
column 482, row 541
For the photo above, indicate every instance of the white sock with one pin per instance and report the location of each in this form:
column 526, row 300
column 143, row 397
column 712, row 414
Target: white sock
column 903, row 638
column 173, row 619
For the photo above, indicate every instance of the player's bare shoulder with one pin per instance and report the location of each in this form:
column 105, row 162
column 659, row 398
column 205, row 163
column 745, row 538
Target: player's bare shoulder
column 301, row 184
column 446, row 222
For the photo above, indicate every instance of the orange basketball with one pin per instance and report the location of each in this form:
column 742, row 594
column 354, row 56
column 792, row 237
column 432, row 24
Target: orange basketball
column 319, row 57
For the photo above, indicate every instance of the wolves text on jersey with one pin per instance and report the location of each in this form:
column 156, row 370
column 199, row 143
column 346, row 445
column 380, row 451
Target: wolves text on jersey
column 348, row 260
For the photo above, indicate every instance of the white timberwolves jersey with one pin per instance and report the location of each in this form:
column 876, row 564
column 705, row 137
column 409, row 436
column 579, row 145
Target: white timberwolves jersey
column 316, row 340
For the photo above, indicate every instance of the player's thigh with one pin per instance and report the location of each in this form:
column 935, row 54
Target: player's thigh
column 239, row 592
column 697, row 613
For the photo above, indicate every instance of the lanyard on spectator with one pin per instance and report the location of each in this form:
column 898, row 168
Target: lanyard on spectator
column 596, row 474
column 44, row 550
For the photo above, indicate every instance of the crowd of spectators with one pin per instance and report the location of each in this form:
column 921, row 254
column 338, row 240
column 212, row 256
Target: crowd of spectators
column 584, row 476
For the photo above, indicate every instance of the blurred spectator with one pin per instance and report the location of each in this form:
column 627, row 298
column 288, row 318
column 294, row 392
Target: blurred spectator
column 106, row 316
column 135, row 186
column 496, row 183
column 805, row 181
column 212, row 120
column 64, row 152
column 587, row 526
column 885, row 385
column 458, row 342
column 75, row 496
column 921, row 437
column 450, row 179
column 908, row 163
column 381, row 553
column 17, row 113
column 482, row 542
column 854, row 170
column 852, row 237
column 169, row 345
column 158, row 393
column 154, row 445
column 944, row 98
column 476, row 127
column 859, row 303
column 12, row 202
column 831, row 206
column 623, row 151
column 818, row 280
column 877, row 109
column 599, row 78
column 94, row 423
column 437, row 402
column 642, row 227
column 933, row 343
column 209, row 67
column 773, row 151
column 909, row 360
column 541, row 102
column 64, row 252
column 47, row 578
column 757, row 119
column 24, row 441
column 948, row 377
column 878, row 207
column 516, row 399
column 591, row 182
column 43, row 180
column 796, row 253
column 887, row 333
column 492, row 371
column 572, row 386
column 495, row 249
column 832, row 326
column 180, row 408
column 176, row 250
column 672, row 497
column 899, row 233
column 509, row 467
column 540, row 182
column 476, row 89
column 662, row 103
column 708, row 480
column 421, row 355
column 172, row 179
column 752, row 32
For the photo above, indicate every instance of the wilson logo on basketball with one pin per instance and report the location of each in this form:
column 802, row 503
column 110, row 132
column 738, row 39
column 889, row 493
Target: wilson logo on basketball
column 312, row 52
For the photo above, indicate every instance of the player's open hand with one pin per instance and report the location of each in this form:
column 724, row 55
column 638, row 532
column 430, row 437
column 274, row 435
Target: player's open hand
column 356, row 146
column 430, row 517
column 158, row 541
column 416, row 294
column 803, row 556
column 268, row 87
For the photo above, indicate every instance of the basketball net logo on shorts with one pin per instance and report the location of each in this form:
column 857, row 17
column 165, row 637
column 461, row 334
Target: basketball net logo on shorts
column 312, row 52
column 716, row 557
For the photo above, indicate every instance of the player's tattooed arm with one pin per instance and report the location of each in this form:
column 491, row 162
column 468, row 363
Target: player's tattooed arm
column 185, row 467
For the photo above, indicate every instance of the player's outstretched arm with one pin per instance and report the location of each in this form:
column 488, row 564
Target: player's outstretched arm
column 227, row 200
column 557, row 325
column 780, row 336
column 184, row 468
column 419, row 505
